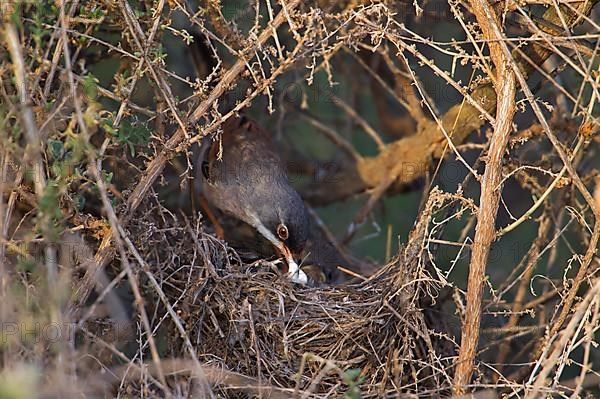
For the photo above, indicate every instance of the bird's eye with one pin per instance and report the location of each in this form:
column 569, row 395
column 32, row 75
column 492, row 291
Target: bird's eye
column 282, row 231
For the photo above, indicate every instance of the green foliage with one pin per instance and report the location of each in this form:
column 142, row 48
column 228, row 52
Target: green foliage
column 106, row 124
column 107, row 176
column 15, row 17
column 131, row 134
column 49, row 210
column 159, row 54
column 41, row 12
column 90, row 86
column 92, row 10
column 56, row 149
column 353, row 379
column 66, row 158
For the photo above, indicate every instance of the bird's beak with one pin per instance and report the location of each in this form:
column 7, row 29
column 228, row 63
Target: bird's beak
column 297, row 275
column 285, row 252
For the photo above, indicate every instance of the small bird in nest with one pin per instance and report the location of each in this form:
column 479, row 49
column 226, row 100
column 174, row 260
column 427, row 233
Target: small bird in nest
column 243, row 176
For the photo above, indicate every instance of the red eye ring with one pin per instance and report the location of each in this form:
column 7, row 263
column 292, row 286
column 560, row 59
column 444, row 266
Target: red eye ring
column 282, row 231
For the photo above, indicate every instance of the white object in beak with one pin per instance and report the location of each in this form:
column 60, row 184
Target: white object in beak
column 296, row 274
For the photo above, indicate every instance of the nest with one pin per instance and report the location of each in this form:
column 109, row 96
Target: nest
column 371, row 337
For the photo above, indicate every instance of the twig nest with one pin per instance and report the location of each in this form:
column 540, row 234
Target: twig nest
column 250, row 319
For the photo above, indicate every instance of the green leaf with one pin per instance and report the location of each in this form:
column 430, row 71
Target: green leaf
column 49, row 201
column 107, row 125
column 107, row 176
column 90, row 86
column 133, row 134
column 56, row 148
column 351, row 375
column 353, row 379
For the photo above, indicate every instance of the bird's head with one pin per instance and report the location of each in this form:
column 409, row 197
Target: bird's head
column 285, row 223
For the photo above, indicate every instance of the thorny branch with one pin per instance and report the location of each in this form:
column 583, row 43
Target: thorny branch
column 491, row 189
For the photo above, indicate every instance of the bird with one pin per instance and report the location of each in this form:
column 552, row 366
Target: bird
column 243, row 175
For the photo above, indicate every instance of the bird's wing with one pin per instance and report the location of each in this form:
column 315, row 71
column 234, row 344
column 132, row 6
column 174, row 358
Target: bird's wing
column 243, row 174
column 245, row 154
